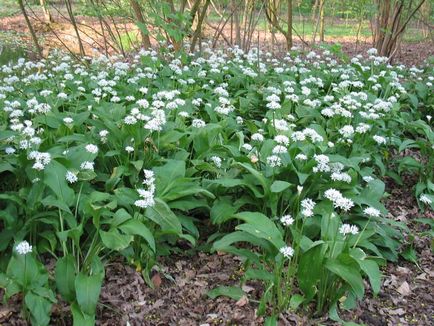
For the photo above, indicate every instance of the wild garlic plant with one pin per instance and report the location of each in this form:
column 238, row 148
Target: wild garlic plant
column 110, row 157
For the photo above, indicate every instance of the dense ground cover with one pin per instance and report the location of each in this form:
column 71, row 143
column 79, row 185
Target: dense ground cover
column 287, row 159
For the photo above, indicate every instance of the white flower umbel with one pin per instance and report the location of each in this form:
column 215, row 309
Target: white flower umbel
column 308, row 205
column 425, row 199
column 91, row 148
column 147, row 195
column 87, row 165
column 23, row 248
column 287, row 252
column 372, row 212
column 322, row 163
column 338, row 200
column 274, row 161
column 286, row 220
column 70, row 177
column 216, row 160
column 379, row 139
column 198, row 123
column 348, row 229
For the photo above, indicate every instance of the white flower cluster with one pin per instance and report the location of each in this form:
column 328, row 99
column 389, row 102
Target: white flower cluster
column 274, row 161
column 273, row 101
column 307, row 133
column 91, row 148
column 147, row 195
column 23, row 248
column 216, row 160
column 348, row 229
column 425, row 199
column 322, row 163
column 372, row 212
column 71, row 177
column 338, row 200
column 287, row 220
column 308, row 205
column 198, row 123
column 41, row 159
column 287, row 252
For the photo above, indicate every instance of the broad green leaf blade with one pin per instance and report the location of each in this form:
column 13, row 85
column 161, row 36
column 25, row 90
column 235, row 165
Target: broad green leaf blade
column 135, row 227
column 65, row 276
column 80, row 318
column 87, row 290
column 114, row 240
column 349, row 274
column 261, row 226
column 222, row 210
column 54, row 178
column 228, row 291
column 161, row 214
column 40, row 308
column 279, row 186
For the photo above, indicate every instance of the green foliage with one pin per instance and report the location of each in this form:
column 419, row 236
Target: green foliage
column 286, row 159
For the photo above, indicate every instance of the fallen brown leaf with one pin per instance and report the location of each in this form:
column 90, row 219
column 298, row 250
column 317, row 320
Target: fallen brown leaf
column 242, row 301
column 404, row 289
column 156, row 280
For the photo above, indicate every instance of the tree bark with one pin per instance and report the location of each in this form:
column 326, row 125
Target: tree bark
column 74, row 25
column 144, row 32
column 289, row 31
column 321, row 21
column 198, row 30
column 47, row 15
column 30, row 27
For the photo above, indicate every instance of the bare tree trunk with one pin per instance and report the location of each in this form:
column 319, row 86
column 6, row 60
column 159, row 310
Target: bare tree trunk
column 321, row 21
column 46, row 12
column 74, row 24
column 289, row 32
column 390, row 24
column 29, row 25
column 237, row 26
column 198, row 30
column 144, row 32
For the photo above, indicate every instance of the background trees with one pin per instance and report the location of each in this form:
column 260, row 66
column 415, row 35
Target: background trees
column 130, row 24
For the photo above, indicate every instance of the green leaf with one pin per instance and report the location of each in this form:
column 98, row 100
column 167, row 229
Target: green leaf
column 65, row 276
column 259, row 274
column 349, row 274
column 169, row 172
column 54, row 178
column 258, row 175
column 40, row 308
column 271, row 321
column 260, row 226
column 161, row 214
column 135, row 227
column 80, row 318
column 410, row 255
column 26, row 270
column 228, row 291
column 240, row 236
column 310, row 270
column 114, row 240
column 369, row 267
column 87, row 290
column 295, row 301
column 222, row 210
column 279, row 186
